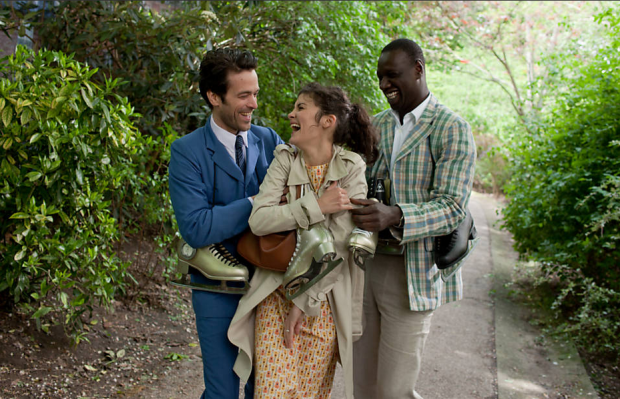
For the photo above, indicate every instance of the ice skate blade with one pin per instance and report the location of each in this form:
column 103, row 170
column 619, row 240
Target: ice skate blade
column 306, row 285
column 360, row 256
column 222, row 288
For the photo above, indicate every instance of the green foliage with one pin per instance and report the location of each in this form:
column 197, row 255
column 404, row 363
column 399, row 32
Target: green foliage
column 564, row 193
column 595, row 314
column 298, row 42
column 157, row 59
column 17, row 18
column 491, row 118
column 503, row 43
column 66, row 145
column 158, row 55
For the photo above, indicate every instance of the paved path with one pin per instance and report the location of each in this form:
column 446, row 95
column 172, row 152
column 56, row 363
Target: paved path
column 482, row 347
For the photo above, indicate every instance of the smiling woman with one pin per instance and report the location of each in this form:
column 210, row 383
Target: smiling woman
column 310, row 133
column 309, row 333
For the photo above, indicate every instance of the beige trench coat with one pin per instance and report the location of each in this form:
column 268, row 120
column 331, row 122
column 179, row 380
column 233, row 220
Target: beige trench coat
column 343, row 287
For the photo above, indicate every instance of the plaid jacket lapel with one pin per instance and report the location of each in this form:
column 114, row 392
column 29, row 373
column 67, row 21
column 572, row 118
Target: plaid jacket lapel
column 421, row 130
column 386, row 123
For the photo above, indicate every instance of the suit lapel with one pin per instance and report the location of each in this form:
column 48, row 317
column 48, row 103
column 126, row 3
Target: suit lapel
column 420, row 131
column 220, row 155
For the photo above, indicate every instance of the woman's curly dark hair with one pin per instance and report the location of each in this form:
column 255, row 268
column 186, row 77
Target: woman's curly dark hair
column 353, row 127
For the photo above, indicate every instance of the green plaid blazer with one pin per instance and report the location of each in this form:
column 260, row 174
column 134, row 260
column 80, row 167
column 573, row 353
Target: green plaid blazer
column 431, row 182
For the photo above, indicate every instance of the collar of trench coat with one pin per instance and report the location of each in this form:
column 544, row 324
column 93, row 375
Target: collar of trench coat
column 299, row 176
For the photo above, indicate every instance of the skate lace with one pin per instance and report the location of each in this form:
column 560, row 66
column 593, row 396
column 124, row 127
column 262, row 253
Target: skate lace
column 297, row 245
column 222, row 254
column 363, row 232
column 446, row 243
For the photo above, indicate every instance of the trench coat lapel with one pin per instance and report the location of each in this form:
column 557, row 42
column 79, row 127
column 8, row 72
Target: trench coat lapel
column 336, row 170
column 298, row 174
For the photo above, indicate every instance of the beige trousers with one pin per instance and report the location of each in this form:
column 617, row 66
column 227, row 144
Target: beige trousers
column 388, row 356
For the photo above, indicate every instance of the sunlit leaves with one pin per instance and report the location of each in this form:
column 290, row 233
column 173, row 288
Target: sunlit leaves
column 54, row 188
column 7, row 115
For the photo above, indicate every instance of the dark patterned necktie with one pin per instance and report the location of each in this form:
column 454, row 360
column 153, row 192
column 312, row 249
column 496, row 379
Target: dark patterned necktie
column 239, row 153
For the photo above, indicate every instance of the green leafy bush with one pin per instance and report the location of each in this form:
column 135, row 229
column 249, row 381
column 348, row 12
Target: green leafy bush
column 159, row 55
column 156, row 55
column 67, row 144
column 564, row 197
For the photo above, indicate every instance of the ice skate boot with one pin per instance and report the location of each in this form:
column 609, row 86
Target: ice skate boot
column 362, row 245
column 313, row 259
column 450, row 251
column 215, row 263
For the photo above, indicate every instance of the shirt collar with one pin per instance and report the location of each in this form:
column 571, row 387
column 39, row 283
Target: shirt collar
column 337, row 168
column 414, row 115
column 227, row 138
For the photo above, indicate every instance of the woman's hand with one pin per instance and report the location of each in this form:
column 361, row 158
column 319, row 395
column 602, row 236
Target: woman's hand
column 334, row 199
column 292, row 326
column 283, row 200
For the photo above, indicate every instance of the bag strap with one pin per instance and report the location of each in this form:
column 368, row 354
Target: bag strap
column 430, row 149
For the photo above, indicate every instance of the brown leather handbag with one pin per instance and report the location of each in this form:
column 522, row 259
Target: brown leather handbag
column 272, row 251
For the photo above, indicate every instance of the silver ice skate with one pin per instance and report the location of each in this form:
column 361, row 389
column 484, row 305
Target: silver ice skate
column 362, row 245
column 313, row 259
column 215, row 263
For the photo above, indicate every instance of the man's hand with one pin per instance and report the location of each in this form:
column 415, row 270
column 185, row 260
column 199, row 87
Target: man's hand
column 375, row 216
column 292, row 326
column 334, row 199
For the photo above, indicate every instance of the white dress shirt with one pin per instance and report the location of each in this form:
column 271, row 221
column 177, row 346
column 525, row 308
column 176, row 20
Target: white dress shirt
column 228, row 140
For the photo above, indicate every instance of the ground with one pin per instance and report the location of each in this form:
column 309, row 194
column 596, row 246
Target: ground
column 604, row 372
column 147, row 346
column 144, row 338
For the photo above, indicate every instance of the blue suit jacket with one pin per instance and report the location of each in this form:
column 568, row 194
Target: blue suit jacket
column 210, row 195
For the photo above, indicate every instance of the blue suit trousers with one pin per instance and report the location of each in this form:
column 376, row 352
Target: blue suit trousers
column 218, row 354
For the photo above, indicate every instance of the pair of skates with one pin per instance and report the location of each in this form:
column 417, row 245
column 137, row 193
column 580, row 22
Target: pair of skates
column 314, row 257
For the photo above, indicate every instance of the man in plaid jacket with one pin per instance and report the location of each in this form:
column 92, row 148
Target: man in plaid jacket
column 428, row 153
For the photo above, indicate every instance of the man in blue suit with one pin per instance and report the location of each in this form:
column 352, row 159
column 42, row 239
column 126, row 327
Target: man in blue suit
column 214, row 174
